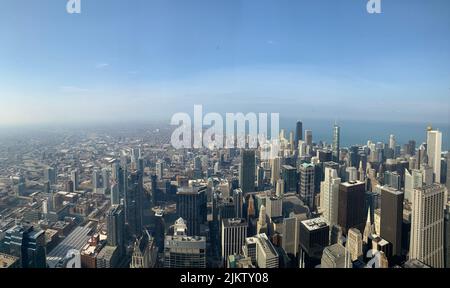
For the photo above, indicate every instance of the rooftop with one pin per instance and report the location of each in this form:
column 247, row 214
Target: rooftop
column 315, row 224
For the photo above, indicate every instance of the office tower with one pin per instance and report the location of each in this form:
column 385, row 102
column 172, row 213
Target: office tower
column 21, row 185
column 106, row 180
column 108, row 257
column 392, row 179
column 260, row 178
column 352, row 174
column 279, row 191
column 351, row 211
column 234, row 233
column 302, row 149
column 290, row 237
column 249, row 249
column 247, row 171
column 160, row 170
column 134, row 197
column 324, row 155
column 448, row 172
column 266, row 255
column 447, row 236
column 191, row 206
column 238, row 201
column 292, row 141
column 96, row 181
column 75, row 177
column 413, row 180
column 427, row 225
column 329, row 192
column 274, row 206
column 308, row 137
column 115, row 221
column 144, row 252
column 275, row 175
column 27, row 244
column 392, row 218
column 306, row 190
column 392, row 147
column 262, row 221
column 434, row 147
column 182, row 251
column 289, row 175
column 354, row 244
column 314, row 237
column 335, row 256
column 298, row 133
column 336, row 143
column 50, row 175
column 115, row 193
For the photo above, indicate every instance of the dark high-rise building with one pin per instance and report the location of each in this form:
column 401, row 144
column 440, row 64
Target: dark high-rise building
column 314, row 237
column 324, row 155
column 247, row 171
column 352, row 205
column 298, row 133
column 26, row 243
column 336, row 143
column 307, row 184
column 115, row 220
column 134, row 198
column 290, row 178
column 191, row 206
column 392, row 218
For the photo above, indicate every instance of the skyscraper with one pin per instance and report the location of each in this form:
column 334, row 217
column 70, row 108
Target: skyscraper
column 309, row 137
column 159, row 170
column 75, row 177
column 134, row 197
column 247, row 171
column 298, row 133
column 191, row 206
column 392, row 218
column 234, row 233
column 266, row 255
column 307, row 192
column 26, row 243
column 290, row 177
column 182, row 251
column 352, row 200
column 238, row 201
column 335, row 256
column 314, row 237
column 329, row 192
column 354, row 244
column 336, row 143
column 115, row 193
column 434, row 150
column 447, row 236
column 96, row 182
column 115, row 221
column 427, row 225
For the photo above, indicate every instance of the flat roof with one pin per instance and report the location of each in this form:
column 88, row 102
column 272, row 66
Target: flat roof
column 314, row 224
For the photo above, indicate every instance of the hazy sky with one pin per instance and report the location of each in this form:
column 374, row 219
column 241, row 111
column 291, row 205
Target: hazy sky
column 146, row 59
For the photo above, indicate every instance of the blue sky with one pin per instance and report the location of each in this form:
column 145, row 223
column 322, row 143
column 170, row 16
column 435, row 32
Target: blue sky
column 147, row 59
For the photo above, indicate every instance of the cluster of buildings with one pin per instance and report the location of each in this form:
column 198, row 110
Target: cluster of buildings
column 127, row 199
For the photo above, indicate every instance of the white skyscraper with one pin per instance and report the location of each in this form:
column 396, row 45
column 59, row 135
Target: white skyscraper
column 329, row 192
column 434, row 150
column 275, row 171
column 234, row 233
column 427, row 225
